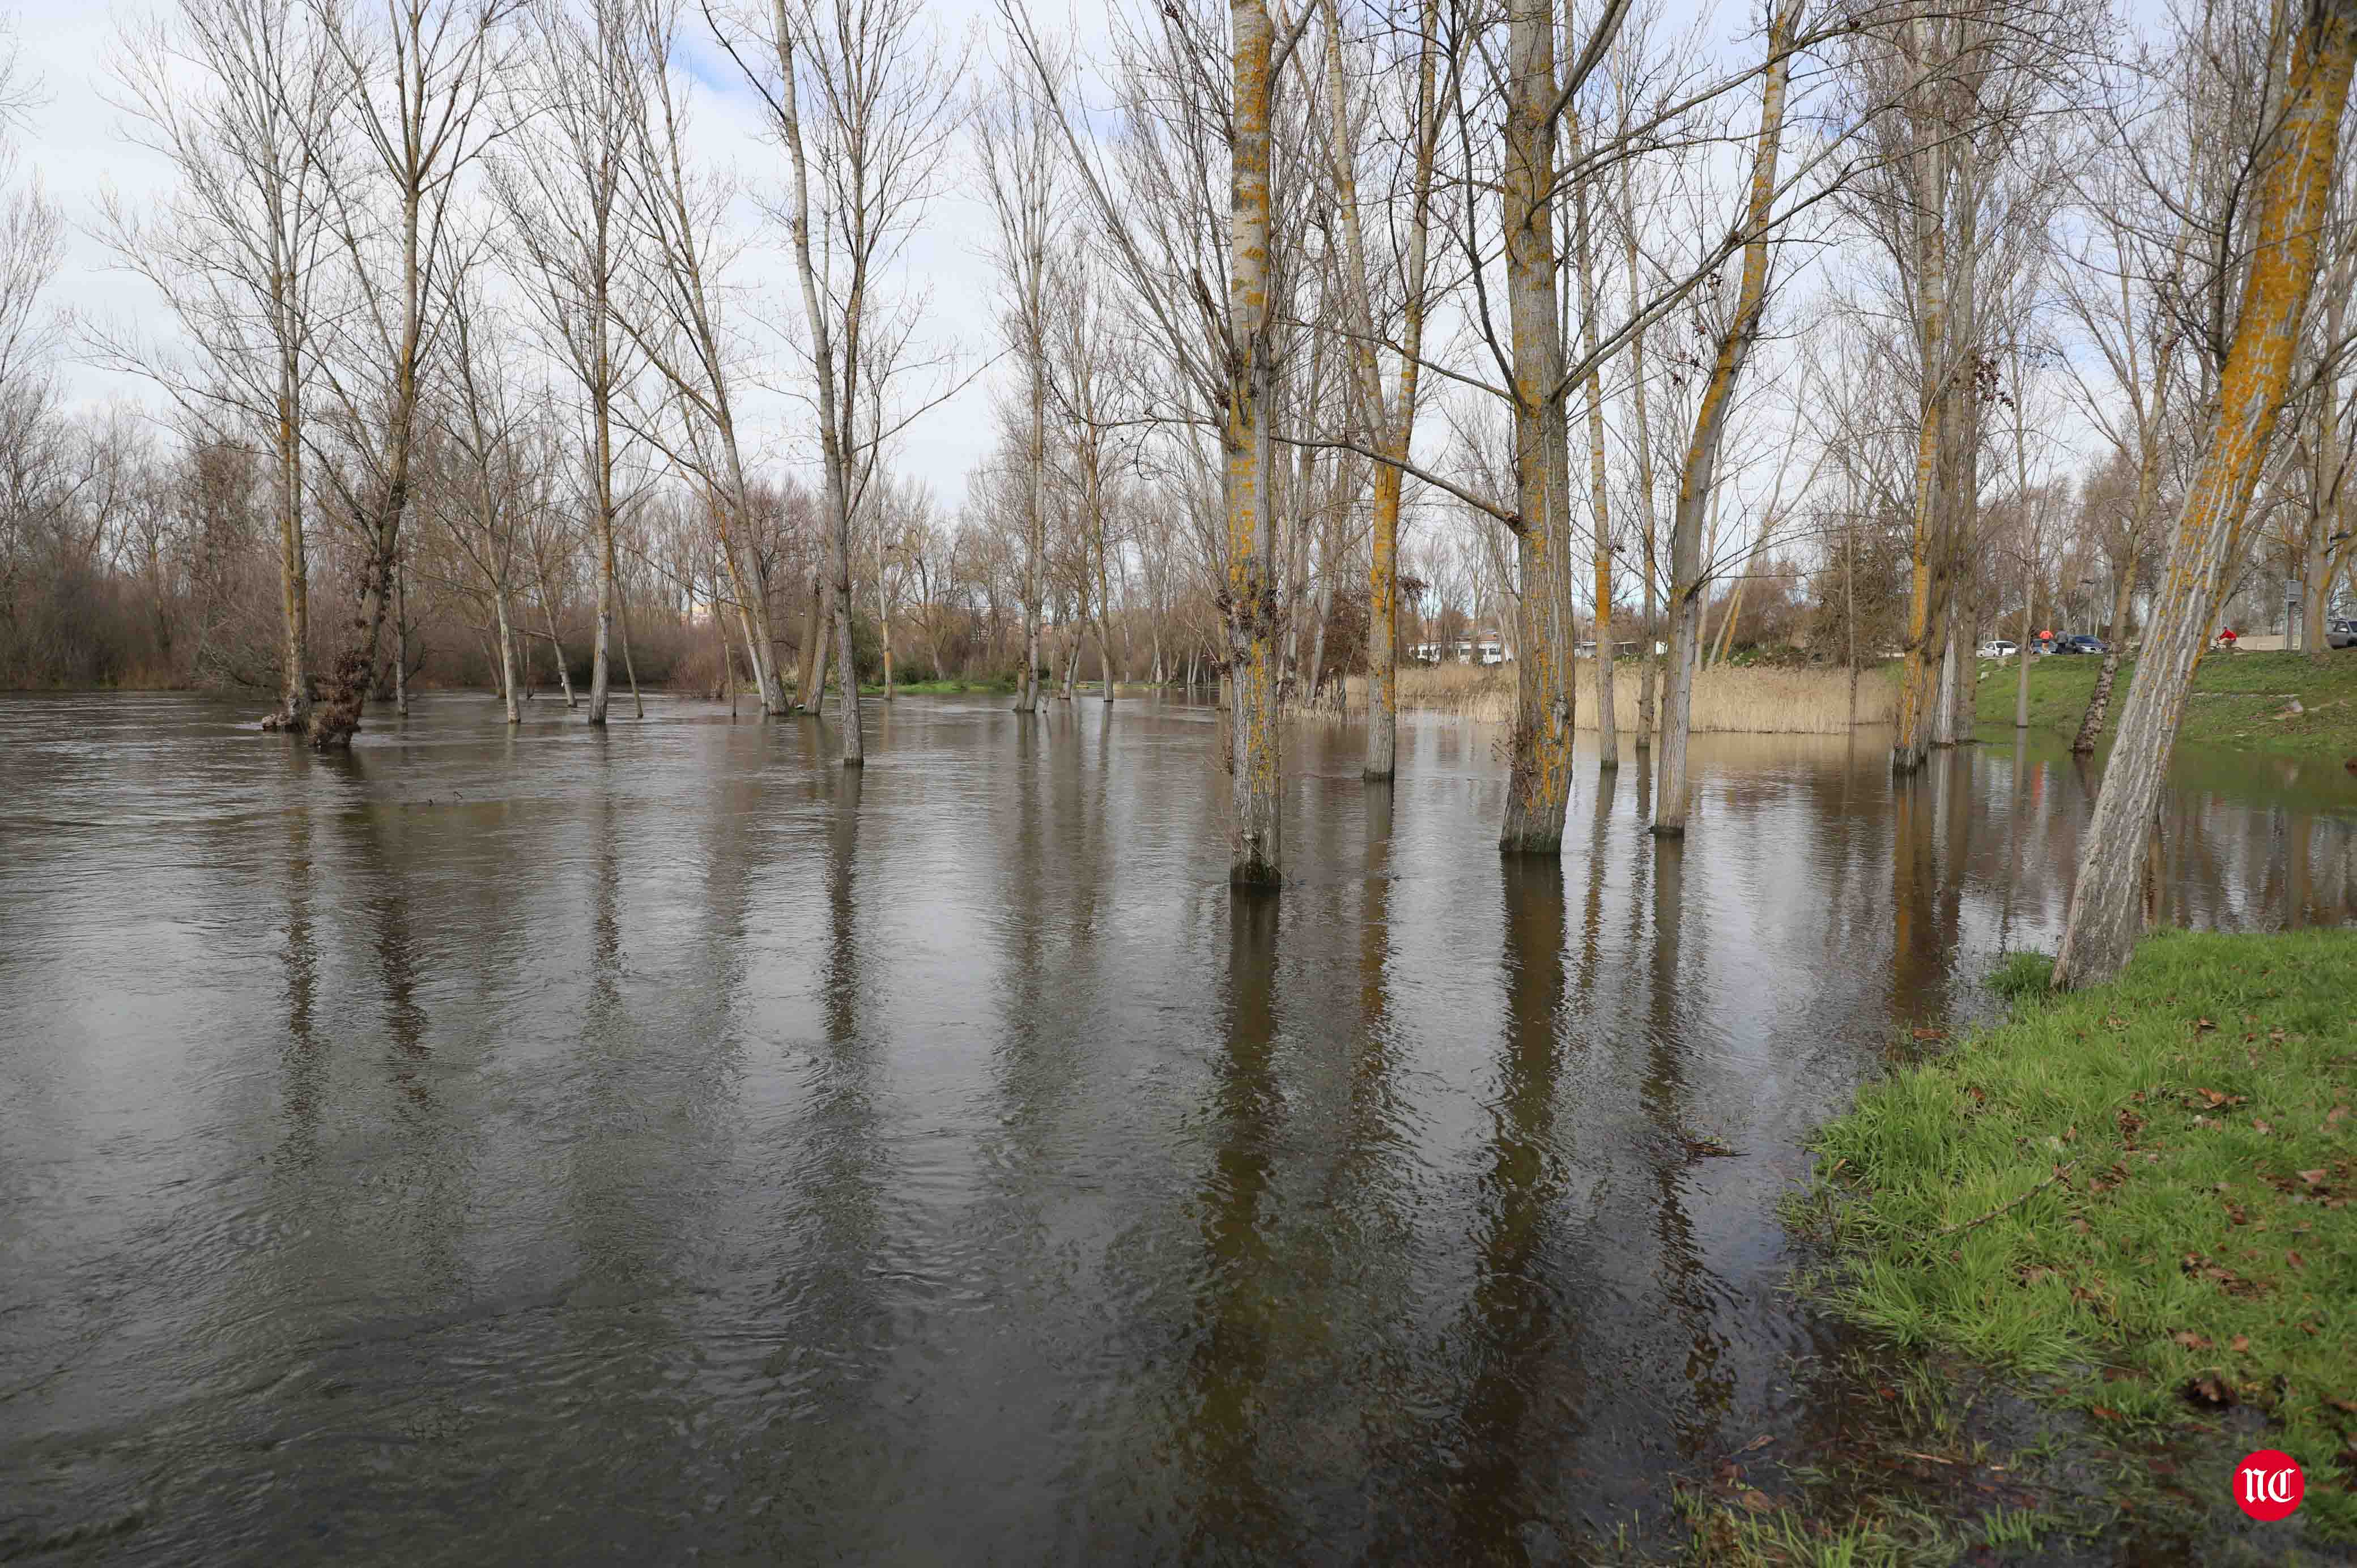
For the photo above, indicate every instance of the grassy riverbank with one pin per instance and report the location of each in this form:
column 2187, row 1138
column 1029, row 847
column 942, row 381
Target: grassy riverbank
column 2134, row 1202
column 2240, row 700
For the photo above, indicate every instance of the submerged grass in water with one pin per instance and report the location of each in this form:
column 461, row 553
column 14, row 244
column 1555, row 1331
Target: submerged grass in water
column 2137, row 1198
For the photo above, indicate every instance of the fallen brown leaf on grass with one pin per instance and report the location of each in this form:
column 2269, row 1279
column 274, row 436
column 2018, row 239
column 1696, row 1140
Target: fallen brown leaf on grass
column 2191, row 1340
column 2209, row 1390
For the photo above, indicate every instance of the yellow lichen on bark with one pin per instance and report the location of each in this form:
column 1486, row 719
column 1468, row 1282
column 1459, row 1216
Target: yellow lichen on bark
column 2295, row 170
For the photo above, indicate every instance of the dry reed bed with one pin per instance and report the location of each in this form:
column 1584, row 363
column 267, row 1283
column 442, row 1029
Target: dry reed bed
column 1733, row 700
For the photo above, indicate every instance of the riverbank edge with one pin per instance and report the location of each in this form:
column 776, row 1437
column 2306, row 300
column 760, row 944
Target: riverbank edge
column 2136, row 1206
column 1729, row 698
column 2241, row 701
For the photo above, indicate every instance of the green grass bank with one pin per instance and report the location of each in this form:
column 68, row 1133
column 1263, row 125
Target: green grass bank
column 2240, row 700
column 2137, row 1201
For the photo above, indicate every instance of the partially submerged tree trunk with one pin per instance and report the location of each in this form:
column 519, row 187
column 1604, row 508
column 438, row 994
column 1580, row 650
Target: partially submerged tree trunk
column 399, row 638
column 1255, row 858
column 2295, row 186
column 1393, row 423
column 816, row 621
column 294, row 573
column 1695, row 485
column 1926, row 557
column 1608, row 736
column 622, row 610
column 1538, row 787
column 507, row 657
column 835, row 459
column 1648, row 664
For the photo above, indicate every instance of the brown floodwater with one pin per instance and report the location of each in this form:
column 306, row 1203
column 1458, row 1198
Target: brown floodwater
column 521, row 1146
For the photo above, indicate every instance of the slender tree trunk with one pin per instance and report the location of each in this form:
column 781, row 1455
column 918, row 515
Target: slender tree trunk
column 1700, row 475
column 622, row 612
column 1915, row 694
column 1608, row 733
column 832, row 420
column 1648, row 663
column 2294, row 193
column 400, row 637
column 548, row 617
column 2123, row 594
column 1104, row 615
column 883, row 607
column 599, row 680
column 2021, row 649
column 1393, row 425
column 294, row 573
column 507, row 655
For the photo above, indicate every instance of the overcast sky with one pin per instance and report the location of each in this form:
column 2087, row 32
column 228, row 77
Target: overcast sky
column 77, row 148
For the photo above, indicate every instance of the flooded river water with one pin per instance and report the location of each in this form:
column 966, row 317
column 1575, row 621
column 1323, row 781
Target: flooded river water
column 553, row 1146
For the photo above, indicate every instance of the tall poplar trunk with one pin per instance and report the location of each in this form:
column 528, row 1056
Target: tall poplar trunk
column 507, row 655
column 1390, row 424
column 1924, row 557
column 1607, row 734
column 834, row 459
column 599, row 680
column 883, row 610
column 1539, row 784
column 400, row 637
column 1696, row 482
column 1648, row 664
column 1105, row 617
column 294, row 573
column 338, row 715
column 2294, row 193
column 1256, row 856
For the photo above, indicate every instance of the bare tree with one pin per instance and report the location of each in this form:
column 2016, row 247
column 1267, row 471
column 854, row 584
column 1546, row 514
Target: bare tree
column 240, row 96
column 2292, row 152
column 675, row 318
column 880, row 126
column 1736, row 340
column 1017, row 138
column 415, row 95
column 560, row 182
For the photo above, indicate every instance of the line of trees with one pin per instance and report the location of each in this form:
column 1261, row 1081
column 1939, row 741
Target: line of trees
column 1888, row 327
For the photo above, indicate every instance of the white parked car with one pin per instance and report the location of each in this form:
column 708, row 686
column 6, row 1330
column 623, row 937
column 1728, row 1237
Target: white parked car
column 1999, row 648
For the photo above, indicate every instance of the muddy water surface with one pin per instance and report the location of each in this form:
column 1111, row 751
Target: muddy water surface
column 547, row 1145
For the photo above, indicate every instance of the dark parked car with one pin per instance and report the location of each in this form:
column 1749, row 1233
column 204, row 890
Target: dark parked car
column 2080, row 645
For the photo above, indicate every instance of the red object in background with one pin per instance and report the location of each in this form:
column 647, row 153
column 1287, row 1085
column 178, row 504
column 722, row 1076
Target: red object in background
column 2227, row 637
